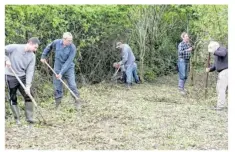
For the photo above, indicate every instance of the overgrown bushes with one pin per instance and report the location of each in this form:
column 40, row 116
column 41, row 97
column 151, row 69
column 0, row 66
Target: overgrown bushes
column 153, row 32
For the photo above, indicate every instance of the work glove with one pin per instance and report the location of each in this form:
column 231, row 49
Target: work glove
column 8, row 63
column 43, row 60
column 207, row 70
column 27, row 89
column 58, row 76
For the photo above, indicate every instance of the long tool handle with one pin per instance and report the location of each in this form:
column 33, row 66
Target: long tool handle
column 116, row 71
column 30, row 96
column 21, row 83
column 207, row 74
column 62, row 81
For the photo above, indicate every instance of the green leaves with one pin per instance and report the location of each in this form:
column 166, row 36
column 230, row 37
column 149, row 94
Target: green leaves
column 153, row 31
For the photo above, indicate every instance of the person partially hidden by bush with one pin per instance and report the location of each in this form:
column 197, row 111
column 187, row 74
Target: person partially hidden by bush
column 123, row 76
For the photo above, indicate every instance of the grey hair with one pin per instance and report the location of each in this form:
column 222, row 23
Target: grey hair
column 66, row 35
column 213, row 45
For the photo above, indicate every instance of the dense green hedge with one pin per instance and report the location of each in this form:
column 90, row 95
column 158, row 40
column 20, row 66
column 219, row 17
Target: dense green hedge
column 96, row 29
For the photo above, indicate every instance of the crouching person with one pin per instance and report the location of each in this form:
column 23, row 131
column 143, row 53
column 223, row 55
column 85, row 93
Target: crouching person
column 21, row 58
column 221, row 66
column 123, row 72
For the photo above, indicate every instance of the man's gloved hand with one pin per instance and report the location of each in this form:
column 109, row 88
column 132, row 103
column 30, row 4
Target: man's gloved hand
column 43, row 60
column 58, row 76
column 27, row 89
column 7, row 63
column 207, row 70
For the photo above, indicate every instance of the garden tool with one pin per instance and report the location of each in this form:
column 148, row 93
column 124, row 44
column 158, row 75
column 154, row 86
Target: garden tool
column 76, row 98
column 29, row 105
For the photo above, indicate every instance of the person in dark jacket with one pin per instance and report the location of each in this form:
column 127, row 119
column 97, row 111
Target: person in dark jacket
column 221, row 66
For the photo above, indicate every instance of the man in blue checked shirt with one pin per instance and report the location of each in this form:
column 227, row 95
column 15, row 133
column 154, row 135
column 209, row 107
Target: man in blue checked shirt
column 184, row 53
column 65, row 52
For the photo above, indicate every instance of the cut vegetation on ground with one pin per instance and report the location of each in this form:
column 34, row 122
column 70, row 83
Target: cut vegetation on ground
column 149, row 116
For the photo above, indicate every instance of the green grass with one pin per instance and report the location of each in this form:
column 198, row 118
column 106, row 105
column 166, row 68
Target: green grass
column 147, row 117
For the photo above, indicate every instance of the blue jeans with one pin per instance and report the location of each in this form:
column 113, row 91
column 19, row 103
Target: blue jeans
column 134, row 72
column 131, row 71
column 183, row 66
column 69, row 76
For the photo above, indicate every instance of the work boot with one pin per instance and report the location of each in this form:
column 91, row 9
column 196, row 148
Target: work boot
column 16, row 113
column 182, row 91
column 57, row 102
column 29, row 112
column 181, row 84
column 77, row 103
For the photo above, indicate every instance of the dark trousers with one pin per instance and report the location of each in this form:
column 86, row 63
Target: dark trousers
column 13, row 86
